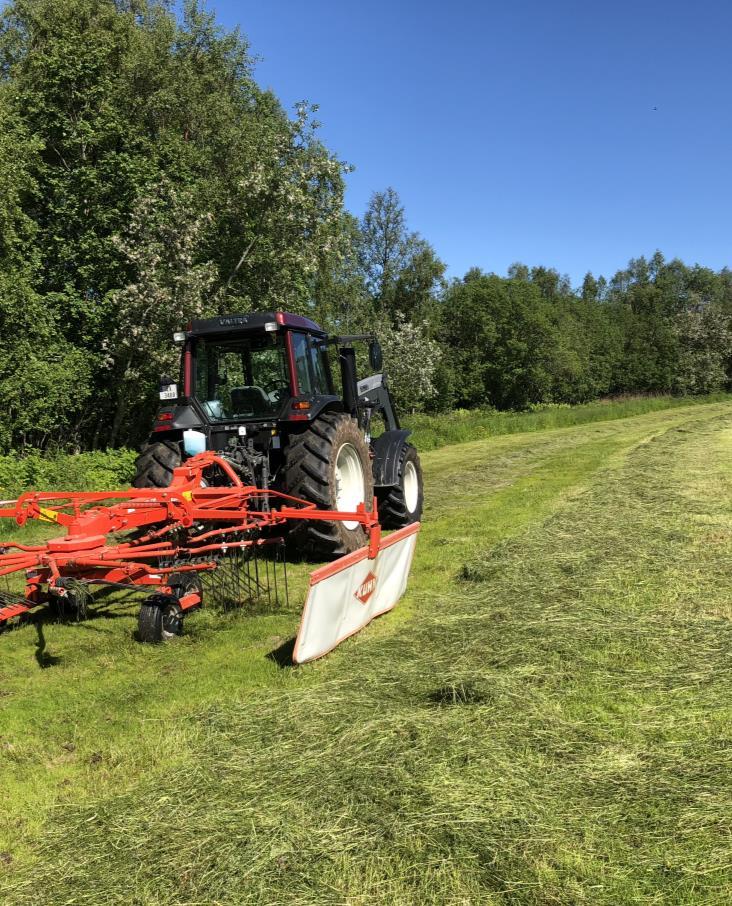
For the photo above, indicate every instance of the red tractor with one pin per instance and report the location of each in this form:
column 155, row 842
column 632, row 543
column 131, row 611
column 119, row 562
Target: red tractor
column 257, row 444
column 258, row 390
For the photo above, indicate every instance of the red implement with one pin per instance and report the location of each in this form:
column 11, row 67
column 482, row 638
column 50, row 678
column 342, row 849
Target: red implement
column 166, row 540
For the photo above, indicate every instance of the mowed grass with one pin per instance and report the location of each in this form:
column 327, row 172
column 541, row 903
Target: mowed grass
column 544, row 719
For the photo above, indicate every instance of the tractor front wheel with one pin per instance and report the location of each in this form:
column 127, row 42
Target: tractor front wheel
column 401, row 504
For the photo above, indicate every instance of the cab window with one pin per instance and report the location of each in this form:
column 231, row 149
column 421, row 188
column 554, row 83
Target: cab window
column 311, row 368
column 245, row 378
column 302, row 363
column 319, row 365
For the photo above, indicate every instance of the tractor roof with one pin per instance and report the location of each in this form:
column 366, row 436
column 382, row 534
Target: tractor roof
column 227, row 324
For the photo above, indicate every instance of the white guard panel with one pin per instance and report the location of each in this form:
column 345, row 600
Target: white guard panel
column 347, row 594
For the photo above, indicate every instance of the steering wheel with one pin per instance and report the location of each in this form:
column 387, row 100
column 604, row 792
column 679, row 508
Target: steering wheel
column 274, row 390
column 271, row 386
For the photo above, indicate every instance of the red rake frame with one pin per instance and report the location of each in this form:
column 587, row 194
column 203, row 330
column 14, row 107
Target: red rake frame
column 191, row 526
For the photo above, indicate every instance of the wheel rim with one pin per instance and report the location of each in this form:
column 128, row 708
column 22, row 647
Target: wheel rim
column 172, row 621
column 411, row 487
column 350, row 484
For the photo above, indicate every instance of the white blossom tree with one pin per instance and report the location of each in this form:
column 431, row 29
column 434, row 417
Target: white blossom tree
column 168, row 289
column 410, row 361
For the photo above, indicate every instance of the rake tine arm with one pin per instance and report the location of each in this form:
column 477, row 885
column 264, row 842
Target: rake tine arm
column 233, row 545
column 27, row 548
column 16, row 566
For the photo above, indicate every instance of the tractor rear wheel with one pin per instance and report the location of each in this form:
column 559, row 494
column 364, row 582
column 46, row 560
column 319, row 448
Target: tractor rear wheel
column 329, row 465
column 154, row 466
column 401, row 504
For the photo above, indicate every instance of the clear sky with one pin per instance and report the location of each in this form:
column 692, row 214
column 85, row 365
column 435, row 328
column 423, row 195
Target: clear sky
column 569, row 134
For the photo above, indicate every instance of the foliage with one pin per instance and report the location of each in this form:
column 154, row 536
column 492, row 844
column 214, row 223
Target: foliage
column 655, row 327
column 117, row 107
column 97, row 471
column 410, row 361
column 401, row 271
column 168, row 289
column 499, row 333
column 705, row 341
column 341, row 299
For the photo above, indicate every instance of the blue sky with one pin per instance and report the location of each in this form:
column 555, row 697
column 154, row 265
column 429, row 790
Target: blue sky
column 520, row 131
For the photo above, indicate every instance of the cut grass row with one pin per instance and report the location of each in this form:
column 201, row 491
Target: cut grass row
column 544, row 719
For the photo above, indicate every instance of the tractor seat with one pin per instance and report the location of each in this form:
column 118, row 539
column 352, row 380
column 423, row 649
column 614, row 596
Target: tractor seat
column 249, row 400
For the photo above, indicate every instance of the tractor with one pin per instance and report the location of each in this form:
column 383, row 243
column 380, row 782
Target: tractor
column 259, row 391
column 251, row 449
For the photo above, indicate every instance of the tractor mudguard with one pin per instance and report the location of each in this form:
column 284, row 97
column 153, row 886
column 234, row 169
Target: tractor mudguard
column 185, row 416
column 387, row 450
column 319, row 404
column 175, row 419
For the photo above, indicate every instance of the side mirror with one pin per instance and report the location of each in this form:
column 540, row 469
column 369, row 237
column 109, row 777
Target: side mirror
column 376, row 358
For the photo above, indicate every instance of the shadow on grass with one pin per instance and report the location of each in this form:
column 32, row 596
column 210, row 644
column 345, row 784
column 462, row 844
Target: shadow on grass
column 43, row 658
column 282, row 656
column 46, row 616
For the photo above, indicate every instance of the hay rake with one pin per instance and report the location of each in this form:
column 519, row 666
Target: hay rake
column 194, row 540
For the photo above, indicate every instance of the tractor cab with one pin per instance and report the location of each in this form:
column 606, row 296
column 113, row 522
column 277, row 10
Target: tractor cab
column 242, row 378
column 266, row 366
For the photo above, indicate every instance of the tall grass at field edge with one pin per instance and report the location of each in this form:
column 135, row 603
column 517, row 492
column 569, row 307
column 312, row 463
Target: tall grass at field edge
column 430, row 432
column 100, row 470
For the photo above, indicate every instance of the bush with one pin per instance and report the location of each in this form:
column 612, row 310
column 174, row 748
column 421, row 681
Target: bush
column 97, row 471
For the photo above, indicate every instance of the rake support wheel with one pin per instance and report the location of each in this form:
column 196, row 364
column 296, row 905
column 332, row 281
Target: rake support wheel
column 160, row 619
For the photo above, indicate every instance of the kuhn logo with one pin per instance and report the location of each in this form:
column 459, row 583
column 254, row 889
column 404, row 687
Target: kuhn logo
column 366, row 588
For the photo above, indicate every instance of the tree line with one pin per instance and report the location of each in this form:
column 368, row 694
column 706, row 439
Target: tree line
column 146, row 178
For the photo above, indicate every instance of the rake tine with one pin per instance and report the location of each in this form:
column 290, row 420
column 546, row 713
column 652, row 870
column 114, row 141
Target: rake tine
column 236, row 576
column 269, row 586
column 274, row 573
column 256, row 567
column 283, row 551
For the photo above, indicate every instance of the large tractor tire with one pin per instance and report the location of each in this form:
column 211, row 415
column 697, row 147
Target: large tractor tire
column 402, row 504
column 329, row 464
column 154, row 466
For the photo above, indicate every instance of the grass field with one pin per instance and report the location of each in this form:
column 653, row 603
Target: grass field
column 546, row 718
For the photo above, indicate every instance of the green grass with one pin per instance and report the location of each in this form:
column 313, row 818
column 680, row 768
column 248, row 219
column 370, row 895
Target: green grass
column 429, row 432
column 544, row 719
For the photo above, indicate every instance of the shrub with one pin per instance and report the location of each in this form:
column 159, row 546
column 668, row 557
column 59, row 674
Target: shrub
column 98, row 471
